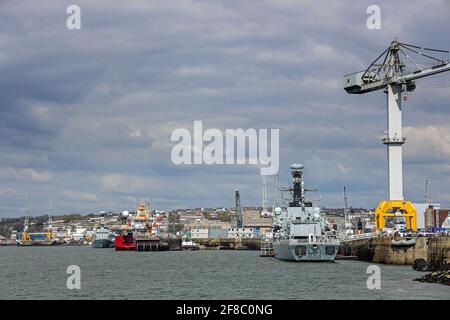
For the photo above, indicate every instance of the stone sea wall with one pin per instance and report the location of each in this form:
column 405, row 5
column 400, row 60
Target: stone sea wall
column 439, row 251
column 381, row 250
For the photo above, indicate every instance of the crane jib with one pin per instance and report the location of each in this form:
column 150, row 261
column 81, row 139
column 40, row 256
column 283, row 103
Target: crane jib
column 389, row 68
column 354, row 84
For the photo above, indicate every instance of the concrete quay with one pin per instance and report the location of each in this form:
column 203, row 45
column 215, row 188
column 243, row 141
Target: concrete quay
column 383, row 250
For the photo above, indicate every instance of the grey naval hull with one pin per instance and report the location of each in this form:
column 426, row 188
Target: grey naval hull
column 102, row 243
column 304, row 252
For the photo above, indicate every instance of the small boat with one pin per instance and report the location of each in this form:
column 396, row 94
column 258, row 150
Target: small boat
column 403, row 242
column 267, row 248
column 125, row 242
column 189, row 246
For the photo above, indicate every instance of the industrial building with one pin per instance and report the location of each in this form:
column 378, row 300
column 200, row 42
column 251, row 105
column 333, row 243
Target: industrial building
column 218, row 233
column 200, row 233
column 252, row 219
column 236, row 233
column 435, row 217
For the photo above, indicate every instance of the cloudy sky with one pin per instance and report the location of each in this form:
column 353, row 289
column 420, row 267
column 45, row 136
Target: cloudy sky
column 86, row 115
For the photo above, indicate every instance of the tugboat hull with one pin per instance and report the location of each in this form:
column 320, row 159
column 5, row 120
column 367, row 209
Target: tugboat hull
column 125, row 243
column 126, row 248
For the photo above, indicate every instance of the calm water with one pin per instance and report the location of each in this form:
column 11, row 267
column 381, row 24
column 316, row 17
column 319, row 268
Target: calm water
column 40, row 273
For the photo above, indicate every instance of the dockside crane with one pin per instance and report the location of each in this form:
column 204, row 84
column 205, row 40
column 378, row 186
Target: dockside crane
column 276, row 192
column 49, row 235
column 238, row 208
column 264, row 211
column 347, row 223
column 390, row 72
column 425, row 193
column 26, row 234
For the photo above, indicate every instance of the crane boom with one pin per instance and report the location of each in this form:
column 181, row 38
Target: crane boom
column 427, row 72
column 391, row 70
column 354, row 84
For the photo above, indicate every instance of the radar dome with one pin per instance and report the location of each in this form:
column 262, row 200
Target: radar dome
column 277, row 210
column 296, row 166
column 125, row 214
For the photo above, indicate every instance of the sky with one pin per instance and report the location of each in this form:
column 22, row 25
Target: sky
column 86, row 115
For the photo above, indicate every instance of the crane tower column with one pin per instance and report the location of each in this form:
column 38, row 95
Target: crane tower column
column 237, row 199
column 394, row 141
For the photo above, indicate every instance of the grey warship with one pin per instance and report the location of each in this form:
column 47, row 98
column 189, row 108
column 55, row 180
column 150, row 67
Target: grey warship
column 299, row 233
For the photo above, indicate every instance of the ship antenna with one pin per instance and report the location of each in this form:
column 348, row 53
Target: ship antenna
column 275, row 193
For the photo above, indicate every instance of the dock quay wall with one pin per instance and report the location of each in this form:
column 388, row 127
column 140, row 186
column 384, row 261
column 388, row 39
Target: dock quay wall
column 145, row 244
column 439, row 251
column 381, row 250
column 229, row 244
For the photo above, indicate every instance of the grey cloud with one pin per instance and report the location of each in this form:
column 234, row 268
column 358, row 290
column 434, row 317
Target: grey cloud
column 95, row 108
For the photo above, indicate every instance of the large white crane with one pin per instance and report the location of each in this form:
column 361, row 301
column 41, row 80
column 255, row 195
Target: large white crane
column 237, row 200
column 390, row 72
column 265, row 212
column 347, row 222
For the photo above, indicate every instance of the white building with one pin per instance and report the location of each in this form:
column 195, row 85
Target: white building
column 79, row 233
column 199, row 233
column 421, row 208
column 241, row 233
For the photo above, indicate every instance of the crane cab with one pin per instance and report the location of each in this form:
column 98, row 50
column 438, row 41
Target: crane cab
column 353, row 82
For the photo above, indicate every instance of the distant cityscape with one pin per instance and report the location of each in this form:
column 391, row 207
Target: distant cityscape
column 197, row 223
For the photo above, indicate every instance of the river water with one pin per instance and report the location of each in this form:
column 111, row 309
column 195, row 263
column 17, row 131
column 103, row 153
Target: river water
column 40, row 273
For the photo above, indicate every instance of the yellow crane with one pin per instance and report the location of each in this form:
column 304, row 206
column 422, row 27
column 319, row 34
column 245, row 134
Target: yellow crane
column 25, row 234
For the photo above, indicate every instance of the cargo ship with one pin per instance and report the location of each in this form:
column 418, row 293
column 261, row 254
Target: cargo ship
column 141, row 232
column 135, row 225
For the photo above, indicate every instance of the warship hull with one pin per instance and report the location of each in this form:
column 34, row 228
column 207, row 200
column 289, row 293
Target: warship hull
column 304, row 252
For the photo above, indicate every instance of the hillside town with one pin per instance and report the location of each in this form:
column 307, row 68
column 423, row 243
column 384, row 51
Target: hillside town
column 196, row 223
